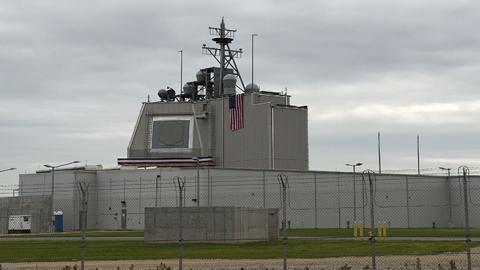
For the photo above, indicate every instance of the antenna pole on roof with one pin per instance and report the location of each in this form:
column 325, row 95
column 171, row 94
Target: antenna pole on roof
column 181, row 71
column 224, row 55
column 253, row 35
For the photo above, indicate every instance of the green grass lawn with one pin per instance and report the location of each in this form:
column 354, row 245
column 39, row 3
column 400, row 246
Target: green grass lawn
column 28, row 251
column 394, row 232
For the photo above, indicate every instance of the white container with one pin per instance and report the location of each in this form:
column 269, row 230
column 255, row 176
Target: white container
column 19, row 223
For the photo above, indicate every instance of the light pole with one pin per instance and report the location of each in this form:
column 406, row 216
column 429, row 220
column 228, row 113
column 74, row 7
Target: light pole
column 253, row 35
column 9, row 169
column 52, row 168
column 198, row 180
column 445, row 169
column 450, row 210
column 354, row 189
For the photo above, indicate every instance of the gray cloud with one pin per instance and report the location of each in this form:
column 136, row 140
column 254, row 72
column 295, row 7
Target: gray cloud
column 73, row 74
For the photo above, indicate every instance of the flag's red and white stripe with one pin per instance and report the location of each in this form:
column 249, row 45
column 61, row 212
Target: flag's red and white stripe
column 236, row 112
column 168, row 162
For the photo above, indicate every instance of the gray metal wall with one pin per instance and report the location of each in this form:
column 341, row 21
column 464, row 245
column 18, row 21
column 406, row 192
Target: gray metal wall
column 315, row 199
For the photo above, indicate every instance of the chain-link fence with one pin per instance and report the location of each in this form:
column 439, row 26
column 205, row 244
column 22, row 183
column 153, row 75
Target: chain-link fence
column 212, row 218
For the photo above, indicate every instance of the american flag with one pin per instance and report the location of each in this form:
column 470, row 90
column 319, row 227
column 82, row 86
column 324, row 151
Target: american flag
column 235, row 106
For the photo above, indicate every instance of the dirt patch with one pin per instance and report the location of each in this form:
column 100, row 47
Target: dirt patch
column 440, row 261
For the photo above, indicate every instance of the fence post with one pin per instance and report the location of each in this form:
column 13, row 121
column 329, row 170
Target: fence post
column 363, row 205
column 283, row 181
column 264, row 188
column 181, row 185
column 83, row 187
column 372, row 217
column 465, row 172
column 157, row 179
column 315, row 192
column 209, row 188
column 339, row 202
column 408, row 201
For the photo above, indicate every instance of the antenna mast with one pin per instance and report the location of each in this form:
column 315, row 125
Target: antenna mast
column 224, row 55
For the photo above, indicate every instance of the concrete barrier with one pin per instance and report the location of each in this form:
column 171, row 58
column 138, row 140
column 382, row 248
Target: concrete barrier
column 211, row 224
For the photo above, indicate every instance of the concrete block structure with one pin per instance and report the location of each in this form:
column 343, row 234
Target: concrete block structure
column 38, row 208
column 210, row 224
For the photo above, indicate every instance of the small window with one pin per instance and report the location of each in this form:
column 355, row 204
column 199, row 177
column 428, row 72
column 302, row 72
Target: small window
column 25, row 219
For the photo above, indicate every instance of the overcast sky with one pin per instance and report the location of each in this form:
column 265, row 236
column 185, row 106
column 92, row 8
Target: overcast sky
column 73, row 75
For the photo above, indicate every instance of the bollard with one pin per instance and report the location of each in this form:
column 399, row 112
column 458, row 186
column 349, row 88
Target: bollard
column 358, row 230
column 382, row 230
column 355, row 235
column 361, row 230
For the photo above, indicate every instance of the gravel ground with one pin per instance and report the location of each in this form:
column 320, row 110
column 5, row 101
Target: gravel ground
column 440, row 261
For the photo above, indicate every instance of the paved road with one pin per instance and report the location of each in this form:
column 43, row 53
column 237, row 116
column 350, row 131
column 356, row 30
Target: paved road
column 123, row 238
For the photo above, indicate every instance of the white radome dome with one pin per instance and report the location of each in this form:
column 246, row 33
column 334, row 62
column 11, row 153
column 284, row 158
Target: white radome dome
column 251, row 87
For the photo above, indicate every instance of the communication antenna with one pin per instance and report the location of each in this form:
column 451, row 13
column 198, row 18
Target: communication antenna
column 224, row 55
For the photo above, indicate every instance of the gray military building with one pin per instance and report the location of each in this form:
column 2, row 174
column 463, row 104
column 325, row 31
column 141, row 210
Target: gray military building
column 274, row 135
column 209, row 124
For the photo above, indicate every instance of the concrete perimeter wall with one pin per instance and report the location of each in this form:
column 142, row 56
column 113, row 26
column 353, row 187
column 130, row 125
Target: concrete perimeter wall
column 315, row 198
